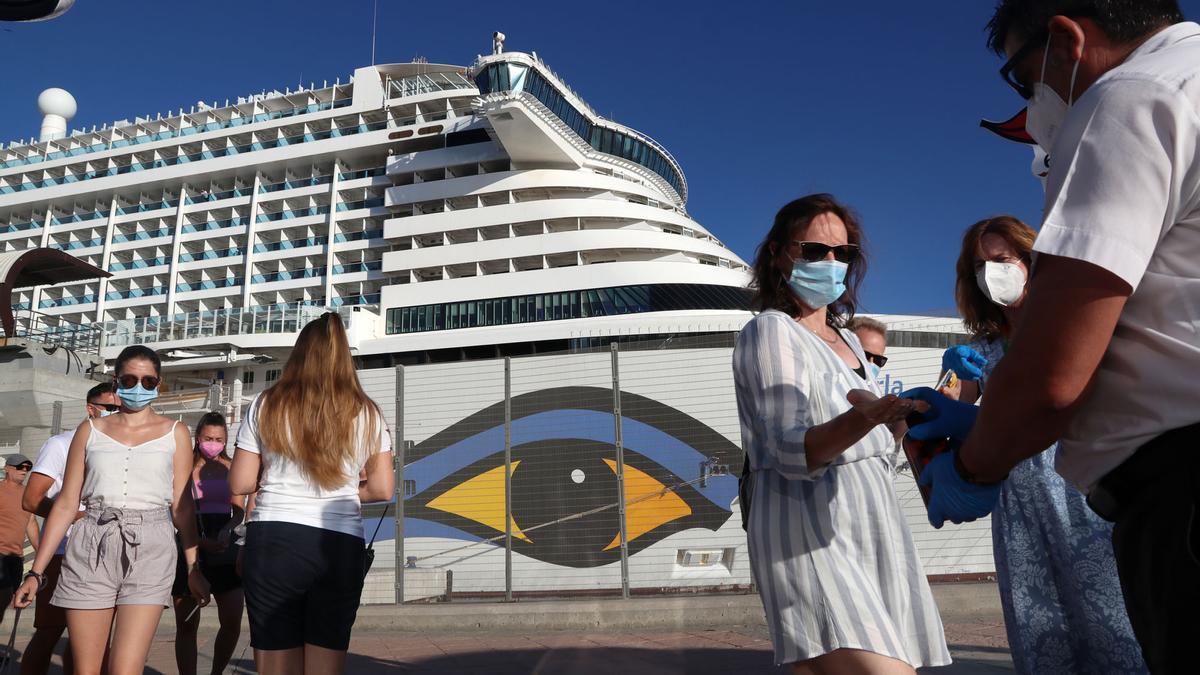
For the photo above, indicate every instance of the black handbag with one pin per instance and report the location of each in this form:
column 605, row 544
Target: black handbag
column 369, row 553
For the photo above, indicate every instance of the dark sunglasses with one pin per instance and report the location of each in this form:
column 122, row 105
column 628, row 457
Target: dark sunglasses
column 110, row 407
column 878, row 359
column 814, row 251
column 23, row 467
column 131, row 381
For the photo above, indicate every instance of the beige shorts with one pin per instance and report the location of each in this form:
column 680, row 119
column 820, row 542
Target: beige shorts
column 118, row 557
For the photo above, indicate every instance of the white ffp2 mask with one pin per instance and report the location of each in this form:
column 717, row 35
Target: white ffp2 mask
column 1047, row 110
column 1002, row 283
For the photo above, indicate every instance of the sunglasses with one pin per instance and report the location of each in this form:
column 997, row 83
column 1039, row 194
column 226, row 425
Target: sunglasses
column 110, row 407
column 131, row 381
column 23, row 467
column 814, row 251
column 878, row 359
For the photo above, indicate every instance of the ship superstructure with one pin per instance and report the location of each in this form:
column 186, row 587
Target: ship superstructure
column 449, row 212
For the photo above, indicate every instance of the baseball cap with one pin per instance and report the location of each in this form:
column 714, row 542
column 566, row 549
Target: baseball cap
column 17, row 460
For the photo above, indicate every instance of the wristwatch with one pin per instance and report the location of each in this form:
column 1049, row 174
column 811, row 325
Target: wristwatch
column 41, row 578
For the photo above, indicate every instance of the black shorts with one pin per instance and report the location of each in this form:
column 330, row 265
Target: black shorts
column 12, row 568
column 302, row 585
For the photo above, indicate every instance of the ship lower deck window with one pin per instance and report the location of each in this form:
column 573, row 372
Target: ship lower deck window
column 558, row 306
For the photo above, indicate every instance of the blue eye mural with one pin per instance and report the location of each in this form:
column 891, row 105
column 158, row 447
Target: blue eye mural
column 564, row 464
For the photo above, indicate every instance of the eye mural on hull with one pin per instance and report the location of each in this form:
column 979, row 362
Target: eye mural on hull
column 564, row 463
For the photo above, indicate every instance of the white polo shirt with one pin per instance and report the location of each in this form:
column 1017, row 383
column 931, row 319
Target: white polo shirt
column 1124, row 194
column 52, row 462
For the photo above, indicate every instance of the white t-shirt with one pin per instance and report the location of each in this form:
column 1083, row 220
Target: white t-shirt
column 1124, row 194
column 285, row 493
column 52, row 462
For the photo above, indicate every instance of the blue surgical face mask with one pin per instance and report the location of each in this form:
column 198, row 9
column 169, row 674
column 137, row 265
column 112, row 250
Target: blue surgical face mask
column 137, row 397
column 818, row 284
column 873, row 371
column 106, row 413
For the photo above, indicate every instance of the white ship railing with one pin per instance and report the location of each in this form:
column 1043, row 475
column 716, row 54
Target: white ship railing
column 268, row 320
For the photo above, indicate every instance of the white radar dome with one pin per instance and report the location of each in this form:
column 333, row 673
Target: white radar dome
column 55, row 101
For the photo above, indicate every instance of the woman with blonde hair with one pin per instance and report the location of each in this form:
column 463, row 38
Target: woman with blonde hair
column 1057, row 574
column 302, row 446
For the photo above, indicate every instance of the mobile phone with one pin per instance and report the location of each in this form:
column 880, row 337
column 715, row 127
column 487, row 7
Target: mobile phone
column 921, row 453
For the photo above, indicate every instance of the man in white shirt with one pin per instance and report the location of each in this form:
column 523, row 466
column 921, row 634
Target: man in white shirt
column 1107, row 356
column 43, row 485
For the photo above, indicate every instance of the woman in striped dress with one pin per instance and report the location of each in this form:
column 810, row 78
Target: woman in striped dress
column 832, row 557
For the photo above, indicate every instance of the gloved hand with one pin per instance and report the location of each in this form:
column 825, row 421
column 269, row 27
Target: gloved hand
column 952, row 498
column 965, row 362
column 946, row 418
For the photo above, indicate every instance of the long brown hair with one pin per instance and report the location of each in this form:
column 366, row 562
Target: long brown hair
column 984, row 318
column 771, row 287
column 311, row 415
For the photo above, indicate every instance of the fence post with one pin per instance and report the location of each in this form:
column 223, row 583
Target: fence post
column 618, row 442
column 508, row 591
column 56, row 419
column 401, row 446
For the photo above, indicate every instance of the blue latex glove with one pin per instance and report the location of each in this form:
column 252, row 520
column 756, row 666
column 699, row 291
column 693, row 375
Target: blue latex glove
column 952, row 498
column 965, row 362
column 946, row 418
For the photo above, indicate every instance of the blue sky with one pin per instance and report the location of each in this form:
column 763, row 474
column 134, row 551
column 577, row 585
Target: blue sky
column 760, row 101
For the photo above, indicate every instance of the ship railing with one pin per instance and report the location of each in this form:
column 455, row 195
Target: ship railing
column 53, row 331
column 574, row 138
column 427, row 84
column 279, row 319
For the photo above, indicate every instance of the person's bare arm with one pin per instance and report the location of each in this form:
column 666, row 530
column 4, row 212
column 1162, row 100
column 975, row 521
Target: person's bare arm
column 243, row 475
column 380, row 485
column 1069, row 318
column 31, row 532
column 34, row 500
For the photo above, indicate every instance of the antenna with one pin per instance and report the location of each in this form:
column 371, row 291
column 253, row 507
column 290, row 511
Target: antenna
column 374, row 23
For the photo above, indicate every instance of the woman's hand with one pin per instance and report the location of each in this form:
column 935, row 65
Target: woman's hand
column 26, row 592
column 952, row 392
column 198, row 585
column 887, row 410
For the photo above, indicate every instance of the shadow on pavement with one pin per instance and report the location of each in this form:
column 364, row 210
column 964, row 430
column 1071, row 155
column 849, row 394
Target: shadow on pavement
column 577, row 661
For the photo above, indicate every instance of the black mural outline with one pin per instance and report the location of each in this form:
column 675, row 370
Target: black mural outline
column 689, row 430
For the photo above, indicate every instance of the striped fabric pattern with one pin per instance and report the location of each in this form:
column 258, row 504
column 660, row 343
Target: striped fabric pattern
column 830, row 552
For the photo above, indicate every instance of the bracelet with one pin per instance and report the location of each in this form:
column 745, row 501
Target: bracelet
column 965, row 473
column 41, row 579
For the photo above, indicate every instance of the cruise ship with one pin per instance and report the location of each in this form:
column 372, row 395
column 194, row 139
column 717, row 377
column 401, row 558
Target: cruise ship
column 453, row 215
column 450, row 212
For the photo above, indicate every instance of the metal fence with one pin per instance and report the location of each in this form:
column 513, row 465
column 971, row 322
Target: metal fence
column 610, row 471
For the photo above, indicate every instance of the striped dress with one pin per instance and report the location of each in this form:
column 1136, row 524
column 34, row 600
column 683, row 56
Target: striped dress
column 830, row 552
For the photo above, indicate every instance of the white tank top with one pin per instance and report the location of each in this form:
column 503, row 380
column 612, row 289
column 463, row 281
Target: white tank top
column 125, row 477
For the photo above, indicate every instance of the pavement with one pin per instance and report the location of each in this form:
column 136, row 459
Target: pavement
column 663, row 635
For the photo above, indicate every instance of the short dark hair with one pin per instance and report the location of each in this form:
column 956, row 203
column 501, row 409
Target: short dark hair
column 134, row 352
column 99, row 390
column 1122, row 20
column 771, row 288
column 211, row 419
